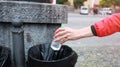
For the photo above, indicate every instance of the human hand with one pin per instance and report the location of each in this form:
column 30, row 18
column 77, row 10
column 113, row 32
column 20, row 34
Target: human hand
column 66, row 34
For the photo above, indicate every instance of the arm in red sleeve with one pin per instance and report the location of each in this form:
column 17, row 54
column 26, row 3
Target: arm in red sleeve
column 108, row 25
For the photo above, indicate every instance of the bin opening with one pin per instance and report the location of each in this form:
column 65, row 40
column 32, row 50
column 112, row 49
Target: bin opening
column 47, row 54
column 44, row 56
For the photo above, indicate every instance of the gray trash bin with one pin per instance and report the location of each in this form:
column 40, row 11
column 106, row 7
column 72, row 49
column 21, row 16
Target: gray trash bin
column 41, row 56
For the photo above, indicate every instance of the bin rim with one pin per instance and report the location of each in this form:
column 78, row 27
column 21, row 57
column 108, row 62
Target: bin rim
column 53, row 61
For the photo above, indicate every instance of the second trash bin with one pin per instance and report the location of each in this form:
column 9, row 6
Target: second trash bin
column 5, row 60
column 44, row 56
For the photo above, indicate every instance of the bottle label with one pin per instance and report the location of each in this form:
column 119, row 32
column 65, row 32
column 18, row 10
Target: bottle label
column 55, row 45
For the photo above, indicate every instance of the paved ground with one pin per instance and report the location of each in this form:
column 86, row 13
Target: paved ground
column 94, row 51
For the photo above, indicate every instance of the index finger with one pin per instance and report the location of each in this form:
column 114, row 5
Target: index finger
column 59, row 29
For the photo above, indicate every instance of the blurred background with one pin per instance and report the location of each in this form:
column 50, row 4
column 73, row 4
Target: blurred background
column 93, row 51
column 100, row 6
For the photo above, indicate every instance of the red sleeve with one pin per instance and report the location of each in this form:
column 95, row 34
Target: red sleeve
column 108, row 25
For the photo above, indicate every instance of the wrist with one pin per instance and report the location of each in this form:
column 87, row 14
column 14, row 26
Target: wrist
column 85, row 32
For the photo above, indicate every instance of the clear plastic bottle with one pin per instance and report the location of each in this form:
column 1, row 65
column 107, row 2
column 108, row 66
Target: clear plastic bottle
column 55, row 45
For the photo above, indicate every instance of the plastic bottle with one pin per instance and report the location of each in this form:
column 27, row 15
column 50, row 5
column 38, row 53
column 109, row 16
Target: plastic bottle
column 55, row 45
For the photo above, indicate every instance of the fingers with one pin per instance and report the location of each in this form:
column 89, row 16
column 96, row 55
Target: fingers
column 62, row 38
column 59, row 29
column 60, row 34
